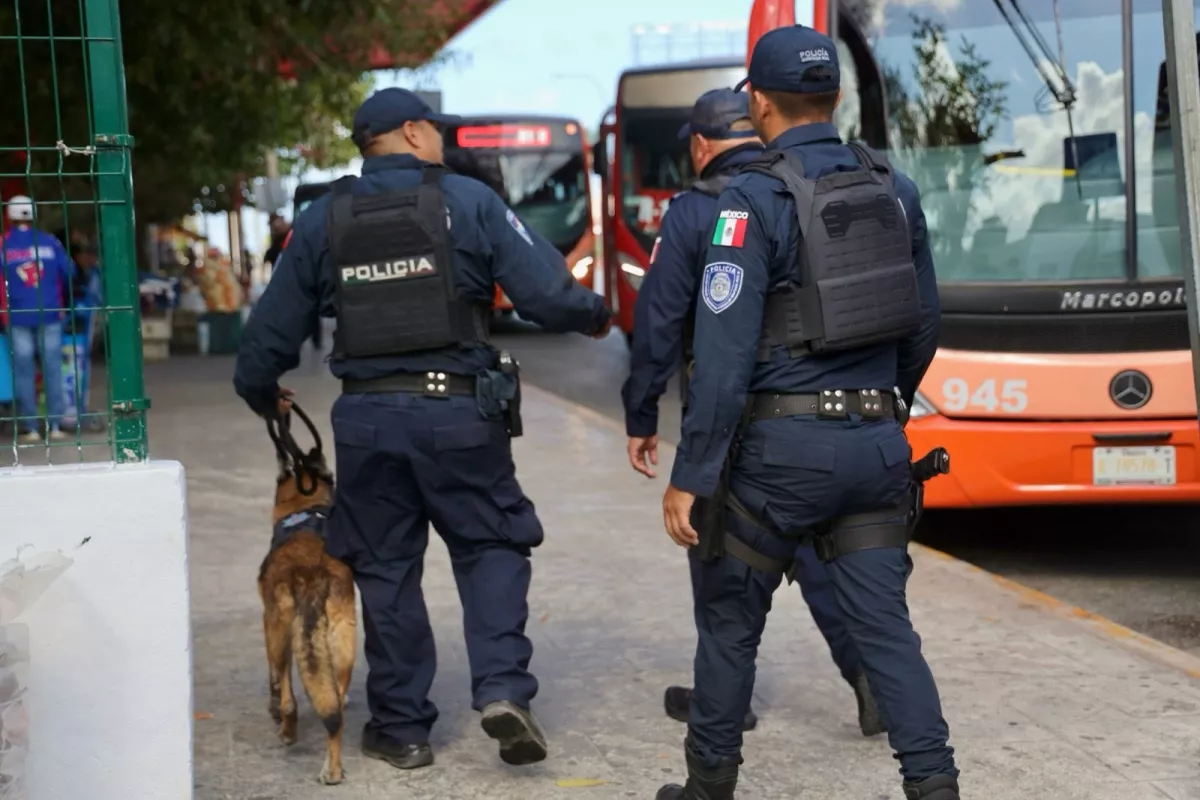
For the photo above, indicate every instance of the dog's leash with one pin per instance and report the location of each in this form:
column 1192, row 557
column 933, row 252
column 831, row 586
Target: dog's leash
column 279, row 428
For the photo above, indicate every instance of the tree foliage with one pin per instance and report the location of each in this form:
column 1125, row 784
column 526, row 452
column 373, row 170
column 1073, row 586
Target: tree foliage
column 205, row 96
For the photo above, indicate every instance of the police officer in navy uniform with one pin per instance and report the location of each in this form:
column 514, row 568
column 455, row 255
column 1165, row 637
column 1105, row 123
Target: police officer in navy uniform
column 818, row 299
column 406, row 258
column 721, row 141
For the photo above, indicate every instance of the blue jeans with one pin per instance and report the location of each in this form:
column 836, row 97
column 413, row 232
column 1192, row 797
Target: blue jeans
column 48, row 345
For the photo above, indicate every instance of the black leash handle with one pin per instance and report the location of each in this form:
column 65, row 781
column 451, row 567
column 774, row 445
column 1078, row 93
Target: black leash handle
column 279, row 428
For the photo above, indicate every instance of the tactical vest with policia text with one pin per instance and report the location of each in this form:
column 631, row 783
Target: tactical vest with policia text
column 855, row 283
column 394, row 279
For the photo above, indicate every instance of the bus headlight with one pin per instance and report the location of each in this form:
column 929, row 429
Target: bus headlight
column 582, row 267
column 921, row 407
column 631, row 270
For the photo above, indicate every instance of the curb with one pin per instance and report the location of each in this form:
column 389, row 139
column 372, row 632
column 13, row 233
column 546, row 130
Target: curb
column 1095, row 624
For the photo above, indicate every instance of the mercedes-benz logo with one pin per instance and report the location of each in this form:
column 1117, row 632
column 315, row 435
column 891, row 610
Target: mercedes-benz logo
column 1130, row 389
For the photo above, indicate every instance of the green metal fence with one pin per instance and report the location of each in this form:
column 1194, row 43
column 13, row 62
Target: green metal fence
column 65, row 144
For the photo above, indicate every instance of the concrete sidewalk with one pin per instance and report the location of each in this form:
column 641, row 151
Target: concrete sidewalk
column 1043, row 700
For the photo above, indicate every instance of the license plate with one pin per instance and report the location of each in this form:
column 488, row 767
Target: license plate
column 1126, row 466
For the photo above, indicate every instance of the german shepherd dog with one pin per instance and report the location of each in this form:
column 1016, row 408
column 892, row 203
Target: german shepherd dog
column 308, row 600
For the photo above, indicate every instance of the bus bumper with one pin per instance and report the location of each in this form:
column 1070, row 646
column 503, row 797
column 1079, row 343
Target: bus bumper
column 1051, row 463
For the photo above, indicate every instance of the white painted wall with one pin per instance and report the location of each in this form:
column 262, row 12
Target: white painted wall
column 110, row 695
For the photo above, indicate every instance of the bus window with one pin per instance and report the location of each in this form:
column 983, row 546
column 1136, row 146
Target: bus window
column 989, row 140
column 1157, row 203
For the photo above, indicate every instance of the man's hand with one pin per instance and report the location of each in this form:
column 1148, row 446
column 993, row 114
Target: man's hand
column 643, row 452
column 285, row 402
column 677, row 512
column 603, row 332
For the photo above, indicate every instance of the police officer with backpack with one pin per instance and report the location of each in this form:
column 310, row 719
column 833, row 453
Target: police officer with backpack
column 818, row 297
column 406, row 257
column 721, row 141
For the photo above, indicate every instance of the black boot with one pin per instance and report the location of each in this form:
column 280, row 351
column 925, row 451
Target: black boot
column 870, row 722
column 401, row 756
column 939, row 787
column 704, row 783
column 677, row 700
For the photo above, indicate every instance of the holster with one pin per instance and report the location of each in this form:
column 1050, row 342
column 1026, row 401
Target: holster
column 511, row 369
column 708, row 513
column 498, row 393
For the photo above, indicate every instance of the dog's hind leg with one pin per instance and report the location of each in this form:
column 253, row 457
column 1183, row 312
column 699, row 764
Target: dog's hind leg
column 343, row 639
column 277, row 624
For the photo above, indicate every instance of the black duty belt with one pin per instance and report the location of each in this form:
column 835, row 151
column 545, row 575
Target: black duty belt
column 431, row 384
column 828, row 404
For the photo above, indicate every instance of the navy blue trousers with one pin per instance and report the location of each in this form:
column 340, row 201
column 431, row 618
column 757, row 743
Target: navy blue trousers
column 817, row 591
column 405, row 462
column 793, row 473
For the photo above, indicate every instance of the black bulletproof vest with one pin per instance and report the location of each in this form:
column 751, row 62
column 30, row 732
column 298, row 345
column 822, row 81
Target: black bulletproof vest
column 855, row 284
column 394, row 278
column 712, row 186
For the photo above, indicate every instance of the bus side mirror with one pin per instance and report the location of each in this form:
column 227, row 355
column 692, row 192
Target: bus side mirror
column 600, row 158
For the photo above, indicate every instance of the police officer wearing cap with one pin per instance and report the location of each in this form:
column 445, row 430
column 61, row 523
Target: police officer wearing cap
column 406, row 257
column 818, row 298
column 721, row 141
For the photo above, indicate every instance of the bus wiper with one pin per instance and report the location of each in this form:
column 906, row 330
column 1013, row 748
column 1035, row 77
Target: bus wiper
column 1002, row 155
column 1060, row 85
column 1063, row 89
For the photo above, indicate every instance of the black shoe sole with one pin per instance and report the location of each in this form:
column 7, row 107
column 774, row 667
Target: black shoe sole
column 520, row 743
column 420, row 759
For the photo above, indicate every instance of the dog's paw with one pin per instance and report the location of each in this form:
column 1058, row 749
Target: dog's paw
column 332, row 777
column 288, row 737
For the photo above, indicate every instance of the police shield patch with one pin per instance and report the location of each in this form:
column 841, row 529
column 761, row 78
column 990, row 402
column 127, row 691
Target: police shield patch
column 517, row 226
column 721, row 286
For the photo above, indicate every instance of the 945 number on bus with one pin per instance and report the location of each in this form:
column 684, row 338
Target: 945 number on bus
column 990, row 395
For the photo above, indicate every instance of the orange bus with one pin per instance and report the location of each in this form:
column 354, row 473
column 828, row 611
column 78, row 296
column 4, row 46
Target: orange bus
column 649, row 165
column 539, row 166
column 1039, row 136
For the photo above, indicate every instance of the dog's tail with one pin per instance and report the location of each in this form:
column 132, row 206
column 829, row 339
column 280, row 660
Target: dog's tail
column 310, row 640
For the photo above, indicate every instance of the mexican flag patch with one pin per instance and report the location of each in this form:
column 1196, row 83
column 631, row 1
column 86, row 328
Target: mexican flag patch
column 731, row 228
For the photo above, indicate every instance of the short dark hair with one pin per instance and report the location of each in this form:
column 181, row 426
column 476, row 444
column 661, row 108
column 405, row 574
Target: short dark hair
column 797, row 105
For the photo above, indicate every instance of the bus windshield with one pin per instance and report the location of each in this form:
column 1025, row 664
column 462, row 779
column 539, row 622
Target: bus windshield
column 1012, row 117
column 548, row 189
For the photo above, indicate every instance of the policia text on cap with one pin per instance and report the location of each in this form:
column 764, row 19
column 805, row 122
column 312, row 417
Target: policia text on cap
column 406, row 258
column 817, row 297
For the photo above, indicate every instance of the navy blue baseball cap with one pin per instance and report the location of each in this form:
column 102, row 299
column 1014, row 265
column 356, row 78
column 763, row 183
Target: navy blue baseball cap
column 388, row 109
column 783, row 56
column 715, row 112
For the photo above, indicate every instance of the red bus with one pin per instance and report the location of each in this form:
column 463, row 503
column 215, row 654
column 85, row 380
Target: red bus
column 538, row 165
column 649, row 165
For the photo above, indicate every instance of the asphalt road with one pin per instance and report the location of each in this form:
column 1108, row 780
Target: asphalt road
column 1135, row 565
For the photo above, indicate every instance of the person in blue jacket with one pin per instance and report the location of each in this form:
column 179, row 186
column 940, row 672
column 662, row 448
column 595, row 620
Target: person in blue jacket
column 818, row 301
column 721, row 141
column 36, row 272
column 406, row 258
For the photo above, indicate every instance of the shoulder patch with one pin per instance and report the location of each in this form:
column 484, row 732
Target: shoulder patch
column 517, row 226
column 654, row 250
column 721, row 285
column 287, row 239
column 731, row 228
